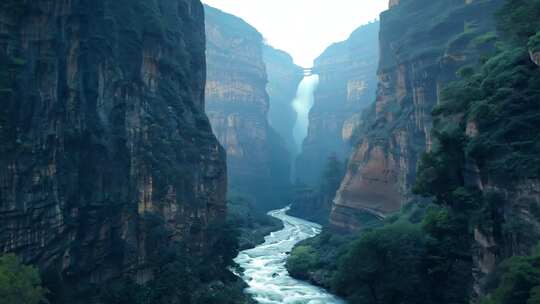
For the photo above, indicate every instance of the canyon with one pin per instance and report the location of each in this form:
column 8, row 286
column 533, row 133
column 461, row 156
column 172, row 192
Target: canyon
column 145, row 145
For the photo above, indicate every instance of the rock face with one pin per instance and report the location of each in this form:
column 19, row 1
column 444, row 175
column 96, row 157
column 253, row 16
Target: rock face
column 535, row 57
column 283, row 79
column 393, row 3
column 423, row 44
column 347, row 84
column 237, row 104
column 104, row 136
column 520, row 205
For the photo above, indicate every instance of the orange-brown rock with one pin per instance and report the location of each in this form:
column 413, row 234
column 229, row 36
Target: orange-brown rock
column 418, row 58
column 370, row 185
column 237, row 104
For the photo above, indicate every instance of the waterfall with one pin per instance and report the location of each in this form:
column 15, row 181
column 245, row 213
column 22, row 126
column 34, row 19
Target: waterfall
column 302, row 104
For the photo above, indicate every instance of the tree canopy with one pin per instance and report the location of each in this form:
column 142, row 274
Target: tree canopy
column 19, row 283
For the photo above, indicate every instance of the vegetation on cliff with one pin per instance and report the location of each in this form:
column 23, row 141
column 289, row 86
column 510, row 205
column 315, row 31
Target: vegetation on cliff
column 490, row 118
column 19, row 283
column 517, row 281
column 405, row 259
column 252, row 224
column 182, row 276
column 485, row 132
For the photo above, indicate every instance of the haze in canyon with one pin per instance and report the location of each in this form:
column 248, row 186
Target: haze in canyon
column 270, row 151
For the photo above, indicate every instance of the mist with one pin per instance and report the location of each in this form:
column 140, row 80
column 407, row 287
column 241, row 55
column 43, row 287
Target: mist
column 302, row 104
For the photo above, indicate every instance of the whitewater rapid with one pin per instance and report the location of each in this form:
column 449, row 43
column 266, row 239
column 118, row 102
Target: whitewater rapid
column 264, row 266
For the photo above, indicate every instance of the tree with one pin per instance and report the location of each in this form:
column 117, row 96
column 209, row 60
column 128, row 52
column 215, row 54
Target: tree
column 384, row 266
column 19, row 283
column 302, row 260
column 519, row 282
column 518, row 19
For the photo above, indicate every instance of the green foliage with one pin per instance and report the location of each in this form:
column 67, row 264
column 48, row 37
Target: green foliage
column 180, row 275
column 488, row 37
column 518, row 20
column 440, row 172
column 317, row 259
column 252, row 224
column 534, row 43
column 302, row 259
column 384, row 266
column 519, row 281
column 501, row 100
column 19, row 283
column 409, row 261
column 420, row 255
column 489, row 117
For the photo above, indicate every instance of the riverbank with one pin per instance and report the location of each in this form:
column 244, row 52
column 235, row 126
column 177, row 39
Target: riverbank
column 252, row 224
column 264, row 266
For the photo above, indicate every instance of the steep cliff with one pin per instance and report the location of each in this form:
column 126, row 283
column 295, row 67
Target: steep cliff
column 107, row 158
column 347, row 84
column 283, row 79
column 473, row 236
column 423, row 44
column 237, row 104
column 487, row 126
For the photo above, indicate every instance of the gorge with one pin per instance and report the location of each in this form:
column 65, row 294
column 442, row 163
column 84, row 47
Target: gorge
column 176, row 152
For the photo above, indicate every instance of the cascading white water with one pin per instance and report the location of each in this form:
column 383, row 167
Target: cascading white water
column 264, row 266
column 302, row 104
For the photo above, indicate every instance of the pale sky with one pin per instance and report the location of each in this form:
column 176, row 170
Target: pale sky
column 303, row 28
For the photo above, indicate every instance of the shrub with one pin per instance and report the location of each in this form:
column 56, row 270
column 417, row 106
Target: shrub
column 383, row 266
column 19, row 283
column 302, row 259
column 519, row 281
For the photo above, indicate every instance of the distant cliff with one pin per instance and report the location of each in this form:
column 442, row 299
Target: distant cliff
column 283, row 79
column 347, row 84
column 423, row 44
column 237, row 104
column 107, row 158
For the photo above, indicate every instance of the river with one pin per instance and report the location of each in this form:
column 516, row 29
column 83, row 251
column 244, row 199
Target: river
column 264, row 266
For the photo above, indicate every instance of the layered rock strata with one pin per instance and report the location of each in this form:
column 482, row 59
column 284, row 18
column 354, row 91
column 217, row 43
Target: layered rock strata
column 423, row 44
column 104, row 137
column 283, row 79
column 347, row 84
column 237, row 104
